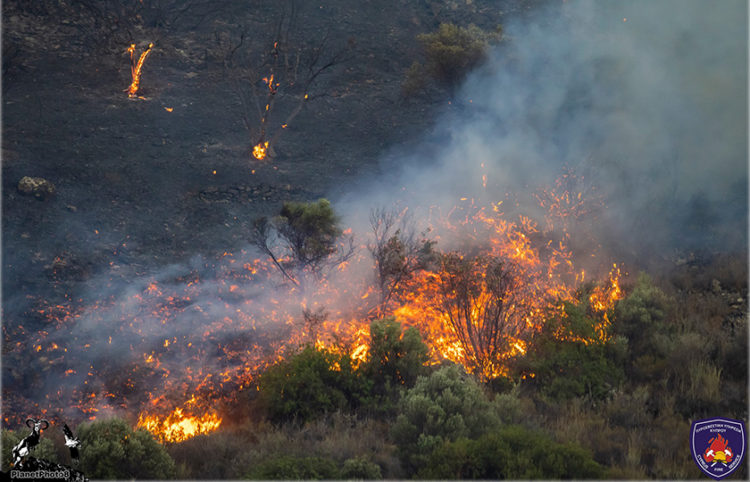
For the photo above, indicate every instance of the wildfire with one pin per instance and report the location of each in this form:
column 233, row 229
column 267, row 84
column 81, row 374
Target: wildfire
column 180, row 424
column 260, row 150
column 478, row 302
column 135, row 69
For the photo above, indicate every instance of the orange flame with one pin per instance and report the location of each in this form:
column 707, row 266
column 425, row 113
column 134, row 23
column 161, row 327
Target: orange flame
column 260, row 150
column 135, row 69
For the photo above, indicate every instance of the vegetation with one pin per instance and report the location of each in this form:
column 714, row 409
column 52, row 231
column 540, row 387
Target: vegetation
column 113, row 450
column 513, row 452
column 450, row 53
column 308, row 232
column 309, row 385
column 574, row 406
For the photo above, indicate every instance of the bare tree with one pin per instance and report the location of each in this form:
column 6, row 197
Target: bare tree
column 397, row 251
column 285, row 67
column 483, row 306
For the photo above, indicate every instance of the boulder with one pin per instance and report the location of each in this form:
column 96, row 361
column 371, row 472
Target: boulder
column 38, row 187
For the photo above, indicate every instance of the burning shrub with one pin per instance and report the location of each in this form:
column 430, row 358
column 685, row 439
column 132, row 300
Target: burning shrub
column 112, row 450
column 450, row 53
column 567, row 360
column 309, row 385
column 443, row 407
column 511, row 453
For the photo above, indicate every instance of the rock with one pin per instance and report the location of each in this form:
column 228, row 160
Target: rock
column 38, row 187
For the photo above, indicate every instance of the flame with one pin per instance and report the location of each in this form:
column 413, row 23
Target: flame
column 180, row 425
column 135, row 69
column 194, row 344
column 260, row 150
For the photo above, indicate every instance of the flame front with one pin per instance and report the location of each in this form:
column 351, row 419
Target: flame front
column 195, row 343
column 180, row 424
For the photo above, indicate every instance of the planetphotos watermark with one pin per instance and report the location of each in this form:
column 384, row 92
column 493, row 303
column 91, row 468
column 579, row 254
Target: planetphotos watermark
column 40, row 474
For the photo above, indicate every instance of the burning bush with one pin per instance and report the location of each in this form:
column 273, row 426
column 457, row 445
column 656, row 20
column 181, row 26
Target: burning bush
column 309, row 385
column 566, row 359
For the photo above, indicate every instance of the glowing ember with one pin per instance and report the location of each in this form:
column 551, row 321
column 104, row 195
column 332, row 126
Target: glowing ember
column 260, row 150
column 135, row 69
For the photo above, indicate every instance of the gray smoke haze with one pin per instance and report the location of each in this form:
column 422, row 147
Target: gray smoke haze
column 647, row 100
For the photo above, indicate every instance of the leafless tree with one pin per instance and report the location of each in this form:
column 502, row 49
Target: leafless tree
column 397, row 251
column 481, row 302
column 285, row 67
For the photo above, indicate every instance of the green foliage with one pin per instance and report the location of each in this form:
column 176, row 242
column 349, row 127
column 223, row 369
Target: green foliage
column 395, row 359
column 446, row 405
column 110, row 449
column 308, row 385
column 310, row 229
column 295, row 468
column 560, row 365
column 450, row 53
column 360, row 468
column 10, row 438
column 511, row 453
column 641, row 319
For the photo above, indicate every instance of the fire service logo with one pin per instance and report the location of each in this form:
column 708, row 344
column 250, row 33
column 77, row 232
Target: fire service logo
column 718, row 445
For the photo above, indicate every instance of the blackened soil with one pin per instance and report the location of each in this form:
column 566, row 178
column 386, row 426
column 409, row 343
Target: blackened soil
column 148, row 181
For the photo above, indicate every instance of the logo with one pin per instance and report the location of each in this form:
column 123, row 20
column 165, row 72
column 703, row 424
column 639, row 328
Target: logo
column 718, row 445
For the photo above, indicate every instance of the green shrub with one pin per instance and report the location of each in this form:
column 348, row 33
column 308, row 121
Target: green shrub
column 641, row 318
column 513, row 452
column 110, row 449
column 565, row 360
column 295, row 468
column 360, row 468
column 446, row 405
column 394, row 361
column 308, row 385
column 450, row 53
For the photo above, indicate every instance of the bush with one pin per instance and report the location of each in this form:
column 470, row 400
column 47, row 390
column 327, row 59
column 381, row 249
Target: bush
column 309, row 385
column 360, row 468
column 641, row 319
column 565, row 360
column 511, row 453
column 450, row 53
column 110, row 449
column 444, row 406
column 296, row 468
column 395, row 359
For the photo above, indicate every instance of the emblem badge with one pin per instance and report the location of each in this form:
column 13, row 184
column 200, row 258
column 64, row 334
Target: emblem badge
column 718, row 445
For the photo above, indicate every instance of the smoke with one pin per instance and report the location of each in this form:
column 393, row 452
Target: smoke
column 646, row 100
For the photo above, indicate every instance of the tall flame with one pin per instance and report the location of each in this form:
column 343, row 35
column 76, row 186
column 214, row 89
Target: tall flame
column 135, row 69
